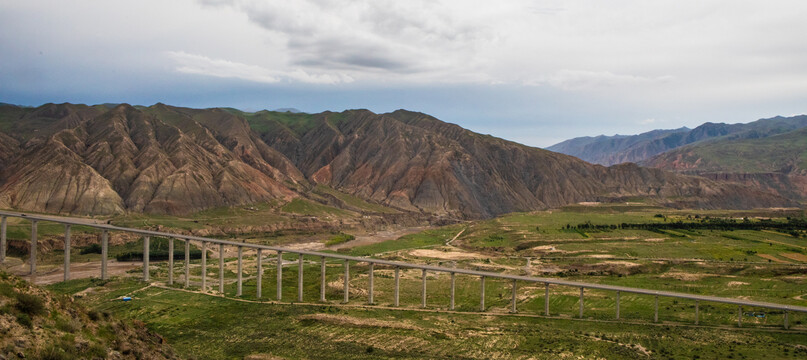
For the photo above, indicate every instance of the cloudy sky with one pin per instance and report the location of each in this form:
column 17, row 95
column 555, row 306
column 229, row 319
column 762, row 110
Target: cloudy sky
column 536, row 72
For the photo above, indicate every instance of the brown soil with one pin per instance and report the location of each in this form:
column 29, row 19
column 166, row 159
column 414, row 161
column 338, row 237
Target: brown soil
column 773, row 258
column 445, row 255
column 795, row 256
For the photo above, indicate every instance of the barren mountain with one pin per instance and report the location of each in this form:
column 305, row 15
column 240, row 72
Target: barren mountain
column 162, row 159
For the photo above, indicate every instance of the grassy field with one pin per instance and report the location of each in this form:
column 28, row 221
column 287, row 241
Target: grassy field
column 766, row 265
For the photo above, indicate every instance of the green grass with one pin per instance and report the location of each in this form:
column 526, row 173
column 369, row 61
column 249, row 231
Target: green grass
column 206, row 327
column 423, row 239
column 354, row 201
column 310, row 208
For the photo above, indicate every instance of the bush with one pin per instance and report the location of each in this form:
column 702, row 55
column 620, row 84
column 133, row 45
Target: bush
column 30, row 304
column 91, row 249
column 340, row 239
column 24, row 320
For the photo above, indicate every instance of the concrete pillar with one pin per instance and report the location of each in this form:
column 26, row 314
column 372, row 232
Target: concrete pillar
column 3, row 246
column 146, row 248
column 170, row 261
column 187, row 263
column 513, row 301
column 279, row 275
column 204, row 266
column 347, row 281
column 239, row 285
column 581, row 303
column 546, row 299
column 221, row 268
column 787, row 321
column 33, row 249
column 396, row 292
column 259, row 274
column 739, row 316
column 300, row 278
column 453, row 276
column 697, row 312
column 482, row 295
column 104, row 252
column 423, row 289
column 370, row 285
column 655, row 316
column 322, row 279
column 528, row 267
column 617, row 305
column 67, row 248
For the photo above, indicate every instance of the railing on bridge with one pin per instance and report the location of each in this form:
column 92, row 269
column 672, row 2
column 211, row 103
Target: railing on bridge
column 147, row 234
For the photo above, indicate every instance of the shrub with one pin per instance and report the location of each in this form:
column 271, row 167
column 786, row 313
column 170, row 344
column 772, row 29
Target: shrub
column 24, row 320
column 30, row 304
column 340, row 239
column 91, row 249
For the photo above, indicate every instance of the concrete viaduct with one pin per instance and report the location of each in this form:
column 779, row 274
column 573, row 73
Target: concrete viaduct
column 147, row 234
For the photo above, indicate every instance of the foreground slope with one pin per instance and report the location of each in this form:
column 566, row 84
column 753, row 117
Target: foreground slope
column 162, row 159
column 610, row 150
column 38, row 324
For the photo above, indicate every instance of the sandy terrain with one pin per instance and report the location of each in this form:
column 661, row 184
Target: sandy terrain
column 445, row 255
column 378, row 237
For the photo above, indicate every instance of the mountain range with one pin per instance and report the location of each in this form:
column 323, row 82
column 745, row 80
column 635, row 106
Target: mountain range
column 767, row 154
column 79, row 159
column 617, row 149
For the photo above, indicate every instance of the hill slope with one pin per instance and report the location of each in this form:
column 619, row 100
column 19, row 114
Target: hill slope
column 37, row 324
column 163, row 159
column 610, row 150
column 777, row 163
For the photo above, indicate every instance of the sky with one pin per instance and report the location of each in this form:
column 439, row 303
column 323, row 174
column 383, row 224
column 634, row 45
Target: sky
column 537, row 72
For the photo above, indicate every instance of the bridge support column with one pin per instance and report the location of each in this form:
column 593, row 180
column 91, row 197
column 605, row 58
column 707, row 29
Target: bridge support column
column 347, row 281
column 370, row 283
column 67, row 248
column 239, row 276
column 3, row 246
column 655, row 306
column 397, row 290
column 279, row 275
column 259, row 275
column 453, row 276
column 546, row 299
column 146, row 248
column 170, row 261
column 33, row 250
column 187, row 263
column 697, row 312
column 423, row 289
column 300, row 278
column 617, row 305
column 581, row 303
column 221, row 268
column 322, row 279
column 739, row 316
column 482, row 295
column 513, row 301
column 787, row 322
column 104, row 253
column 204, row 266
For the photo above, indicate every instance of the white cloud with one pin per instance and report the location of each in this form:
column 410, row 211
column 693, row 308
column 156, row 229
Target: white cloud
column 202, row 65
column 590, row 80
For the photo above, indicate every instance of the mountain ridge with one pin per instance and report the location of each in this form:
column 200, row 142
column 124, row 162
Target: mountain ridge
column 174, row 160
column 607, row 150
